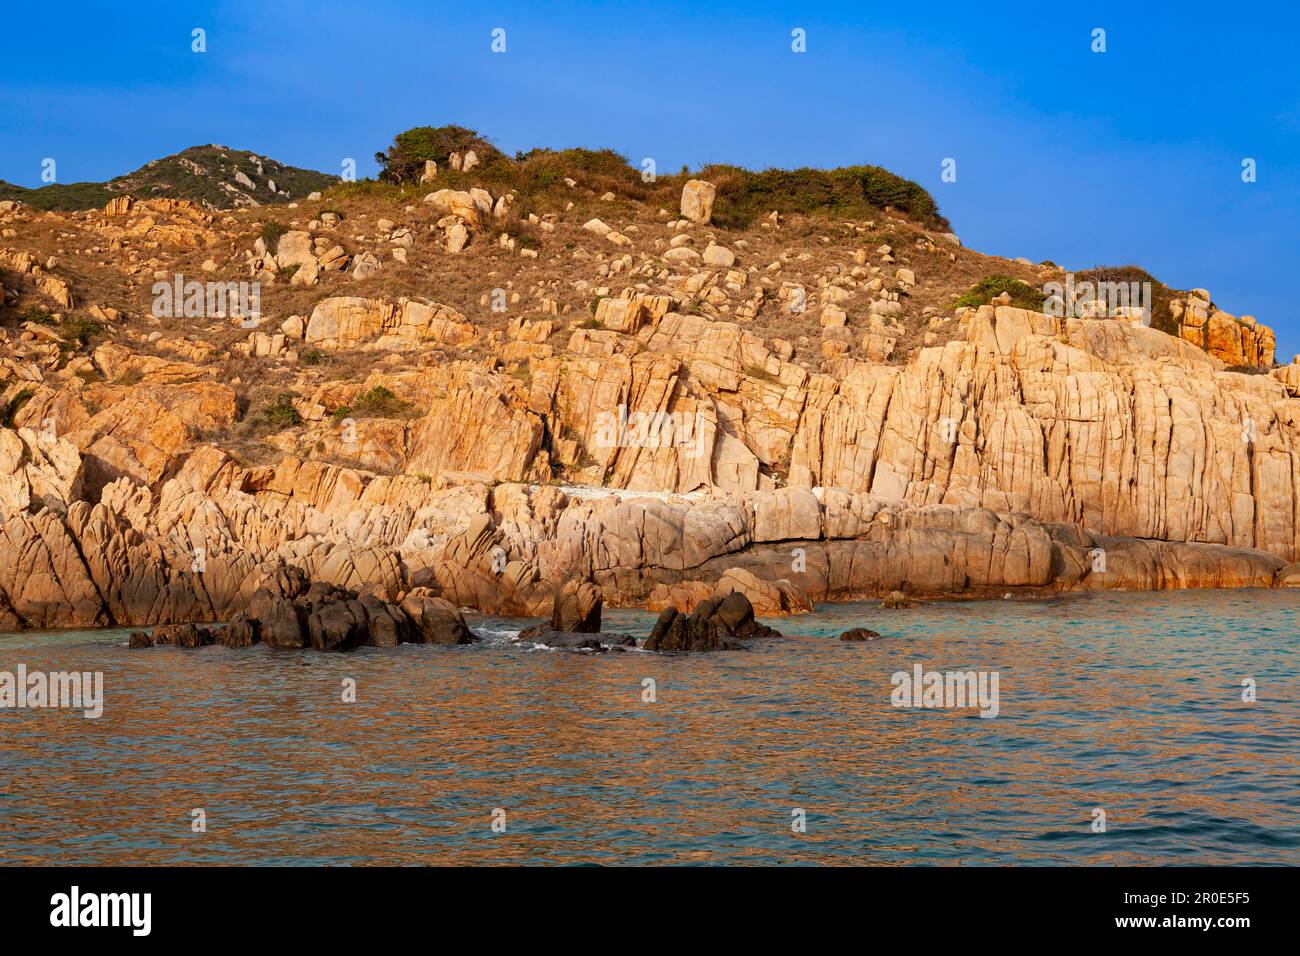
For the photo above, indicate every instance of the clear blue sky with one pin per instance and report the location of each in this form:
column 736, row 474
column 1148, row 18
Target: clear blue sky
column 1131, row 156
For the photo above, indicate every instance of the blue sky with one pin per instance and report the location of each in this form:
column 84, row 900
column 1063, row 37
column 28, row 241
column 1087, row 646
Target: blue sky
column 1129, row 156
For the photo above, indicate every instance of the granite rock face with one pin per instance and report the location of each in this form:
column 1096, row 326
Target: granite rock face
column 218, row 538
column 632, row 410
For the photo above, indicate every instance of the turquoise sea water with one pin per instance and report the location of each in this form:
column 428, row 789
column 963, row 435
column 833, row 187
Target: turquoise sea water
column 1126, row 702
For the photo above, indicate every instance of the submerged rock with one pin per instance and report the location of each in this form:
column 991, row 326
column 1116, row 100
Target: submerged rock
column 574, row 640
column 859, row 634
column 896, row 600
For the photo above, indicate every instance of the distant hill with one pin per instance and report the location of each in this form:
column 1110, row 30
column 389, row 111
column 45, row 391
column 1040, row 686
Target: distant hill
column 212, row 176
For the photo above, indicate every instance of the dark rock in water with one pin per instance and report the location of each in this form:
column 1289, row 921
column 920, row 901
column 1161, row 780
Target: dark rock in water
column 388, row 625
column 240, row 632
column 140, row 639
column 328, row 618
column 573, row 640
column 183, row 635
column 577, row 607
column 859, row 634
column 716, row 624
column 436, row 620
column 277, row 620
column 735, row 611
column 337, row 625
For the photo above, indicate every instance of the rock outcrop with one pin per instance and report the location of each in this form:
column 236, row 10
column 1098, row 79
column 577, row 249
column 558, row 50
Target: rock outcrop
column 718, row 624
column 325, row 618
column 208, row 539
column 633, row 409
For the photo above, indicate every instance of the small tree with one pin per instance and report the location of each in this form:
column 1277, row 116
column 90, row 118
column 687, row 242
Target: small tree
column 403, row 162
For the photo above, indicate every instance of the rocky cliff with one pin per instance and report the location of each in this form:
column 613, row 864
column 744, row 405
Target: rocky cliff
column 458, row 396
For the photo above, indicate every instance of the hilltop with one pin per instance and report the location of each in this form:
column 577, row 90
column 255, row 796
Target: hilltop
column 485, row 375
column 213, row 177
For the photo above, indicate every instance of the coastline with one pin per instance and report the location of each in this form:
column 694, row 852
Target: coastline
column 216, row 534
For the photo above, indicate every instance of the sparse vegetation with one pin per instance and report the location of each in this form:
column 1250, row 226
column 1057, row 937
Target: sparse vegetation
column 378, row 402
column 272, row 232
column 281, row 412
column 199, row 174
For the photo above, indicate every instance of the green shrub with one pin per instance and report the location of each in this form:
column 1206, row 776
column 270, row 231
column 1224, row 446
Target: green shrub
column 403, row 162
column 849, row 192
column 379, row 402
column 271, row 234
column 1162, row 316
column 78, row 331
column 1023, row 295
column 281, row 412
column 33, row 314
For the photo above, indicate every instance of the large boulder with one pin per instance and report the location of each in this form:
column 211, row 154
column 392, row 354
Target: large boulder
column 436, row 620
column 720, row 623
column 577, row 608
column 697, row 201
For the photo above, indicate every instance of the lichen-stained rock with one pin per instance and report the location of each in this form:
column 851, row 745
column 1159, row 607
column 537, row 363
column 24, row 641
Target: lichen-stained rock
column 1154, row 447
column 787, row 515
column 577, row 607
column 351, row 321
column 697, row 200
column 146, row 430
column 1234, row 340
column 769, row 598
column 375, row 444
column 474, row 429
column 629, row 313
column 43, row 577
column 37, row 470
column 464, row 205
column 118, row 362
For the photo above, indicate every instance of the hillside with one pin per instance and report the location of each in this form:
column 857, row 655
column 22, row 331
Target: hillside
column 524, row 370
column 214, row 177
